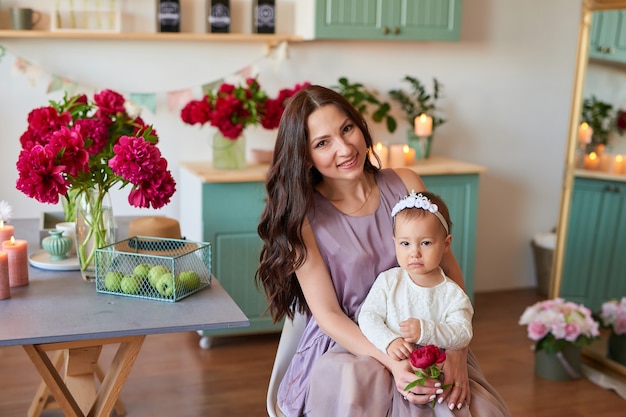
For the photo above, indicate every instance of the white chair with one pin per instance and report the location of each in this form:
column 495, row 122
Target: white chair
column 289, row 338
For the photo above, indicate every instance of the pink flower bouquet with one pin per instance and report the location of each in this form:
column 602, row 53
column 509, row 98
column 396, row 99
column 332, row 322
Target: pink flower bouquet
column 613, row 315
column 555, row 323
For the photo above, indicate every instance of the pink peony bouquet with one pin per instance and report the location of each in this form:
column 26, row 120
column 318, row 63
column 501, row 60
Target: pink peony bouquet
column 613, row 315
column 74, row 146
column 555, row 323
column 233, row 108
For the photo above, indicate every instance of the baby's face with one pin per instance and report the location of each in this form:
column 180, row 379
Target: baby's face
column 420, row 242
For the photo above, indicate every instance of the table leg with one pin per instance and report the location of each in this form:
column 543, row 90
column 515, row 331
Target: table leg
column 80, row 364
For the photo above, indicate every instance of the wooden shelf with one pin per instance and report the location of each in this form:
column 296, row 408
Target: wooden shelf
column 130, row 36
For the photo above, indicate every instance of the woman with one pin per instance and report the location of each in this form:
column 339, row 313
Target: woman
column 327, row 234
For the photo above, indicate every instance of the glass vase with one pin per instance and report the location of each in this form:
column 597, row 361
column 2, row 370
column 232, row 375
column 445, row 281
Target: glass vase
column 95, row 228
column 229, row 153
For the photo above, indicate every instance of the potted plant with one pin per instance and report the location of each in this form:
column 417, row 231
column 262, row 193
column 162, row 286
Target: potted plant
column 603, row 118
column 419, row 101
column 366, row 101
column 560, row 329
column 613, row 316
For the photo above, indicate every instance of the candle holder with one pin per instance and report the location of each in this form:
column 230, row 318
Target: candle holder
column 421, row 144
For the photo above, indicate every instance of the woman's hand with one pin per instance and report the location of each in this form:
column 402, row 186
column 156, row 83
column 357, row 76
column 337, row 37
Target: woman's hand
column 403, row 375
column 455, row 374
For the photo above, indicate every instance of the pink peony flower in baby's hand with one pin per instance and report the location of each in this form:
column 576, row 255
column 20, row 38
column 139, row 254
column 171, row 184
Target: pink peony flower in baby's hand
column 425, row 360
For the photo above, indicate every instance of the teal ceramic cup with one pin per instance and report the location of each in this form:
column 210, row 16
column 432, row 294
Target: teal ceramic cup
column 24, row 18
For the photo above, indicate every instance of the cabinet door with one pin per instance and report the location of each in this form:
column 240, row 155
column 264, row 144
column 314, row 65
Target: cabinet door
column 230, row 218
column 460, row 192
column 594, row 265
column 608, row 36
column 390, row 20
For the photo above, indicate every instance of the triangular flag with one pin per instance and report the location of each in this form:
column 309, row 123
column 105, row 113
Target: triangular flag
column 55, row 84
column 278, row 54
column 147, row 100
column 210, row 86
column 177, row 99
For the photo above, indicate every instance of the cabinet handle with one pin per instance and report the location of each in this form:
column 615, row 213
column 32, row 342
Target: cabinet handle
column 618, row 189
column 611, row 50
column 613, row 189
column 396, row 31
column 385, row 30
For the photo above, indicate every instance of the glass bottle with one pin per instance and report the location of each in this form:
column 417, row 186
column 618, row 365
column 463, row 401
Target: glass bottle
column 264, row 16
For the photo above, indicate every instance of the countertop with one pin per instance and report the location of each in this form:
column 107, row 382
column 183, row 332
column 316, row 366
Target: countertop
column 599, row 175
column 435, row 165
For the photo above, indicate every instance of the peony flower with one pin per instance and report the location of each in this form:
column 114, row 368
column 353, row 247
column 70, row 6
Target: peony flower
column 424, row 360
column 232, row 108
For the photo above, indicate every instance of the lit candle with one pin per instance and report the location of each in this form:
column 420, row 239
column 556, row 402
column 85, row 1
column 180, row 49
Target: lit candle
column 423, row 125
column 409, row 155
column 383, row 153
column 585, row 132
column 5, row 290
column 591, row 161
column 17, row 251
column 396, row 156
column 6, row 231
column 618, row 165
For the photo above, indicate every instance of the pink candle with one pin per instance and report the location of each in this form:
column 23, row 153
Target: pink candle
column 423, row 125
column 6, row 231
column 5, row 290
column 18, row 261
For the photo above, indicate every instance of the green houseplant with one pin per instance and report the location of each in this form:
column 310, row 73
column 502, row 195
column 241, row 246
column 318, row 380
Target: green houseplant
column 603, row 118
column 415, row 102
column 366, row 101
column 418, row 100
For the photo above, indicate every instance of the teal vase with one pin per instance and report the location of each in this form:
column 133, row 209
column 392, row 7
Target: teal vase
column 229, row 153
column 420, row 144
column 617, row 348
column 560, row 366
column 56, row 245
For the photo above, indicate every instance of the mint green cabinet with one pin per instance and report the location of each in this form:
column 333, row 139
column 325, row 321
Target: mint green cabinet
column 608, row 36
column 428, row 20
column 594, row 268
column 226, row 212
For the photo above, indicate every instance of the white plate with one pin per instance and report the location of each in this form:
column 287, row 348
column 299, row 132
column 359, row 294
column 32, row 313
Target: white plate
column 41, row 259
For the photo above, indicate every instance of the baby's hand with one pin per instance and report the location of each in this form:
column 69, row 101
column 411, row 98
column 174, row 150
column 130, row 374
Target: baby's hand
column 399, row 349
column 411, row 330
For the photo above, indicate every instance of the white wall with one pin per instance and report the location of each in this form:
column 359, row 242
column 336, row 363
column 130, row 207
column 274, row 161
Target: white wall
column 507, row 87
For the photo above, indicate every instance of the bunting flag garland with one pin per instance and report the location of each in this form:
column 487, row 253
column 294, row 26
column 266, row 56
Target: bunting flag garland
column 175, row 99
column 146, row 100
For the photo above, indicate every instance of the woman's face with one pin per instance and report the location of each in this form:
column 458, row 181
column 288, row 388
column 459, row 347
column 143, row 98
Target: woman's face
column 336, row 145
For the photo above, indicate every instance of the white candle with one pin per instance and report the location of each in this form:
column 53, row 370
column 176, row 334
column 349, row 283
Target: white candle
column 606, row 160
column 396, row 156
column 584, row 133
column 409, row 155
column 383, row 153
column 591, row 161
column 423, row 125
column 618, row 165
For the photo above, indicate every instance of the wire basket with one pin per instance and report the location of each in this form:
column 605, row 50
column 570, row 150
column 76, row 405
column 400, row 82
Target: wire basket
column 153, row 268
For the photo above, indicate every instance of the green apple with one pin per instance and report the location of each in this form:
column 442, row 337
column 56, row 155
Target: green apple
column 165, row 284
column 130, row 284
column 142, row 270
column 156, row 272
column 189, row 280
column 112, row 280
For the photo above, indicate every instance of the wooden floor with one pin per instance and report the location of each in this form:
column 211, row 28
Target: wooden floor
column 173, row 377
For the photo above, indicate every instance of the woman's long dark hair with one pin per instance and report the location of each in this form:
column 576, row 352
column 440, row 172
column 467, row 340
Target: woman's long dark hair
column 290, row 184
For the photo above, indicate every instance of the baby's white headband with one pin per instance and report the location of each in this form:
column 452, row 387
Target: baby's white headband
column 422, row 202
